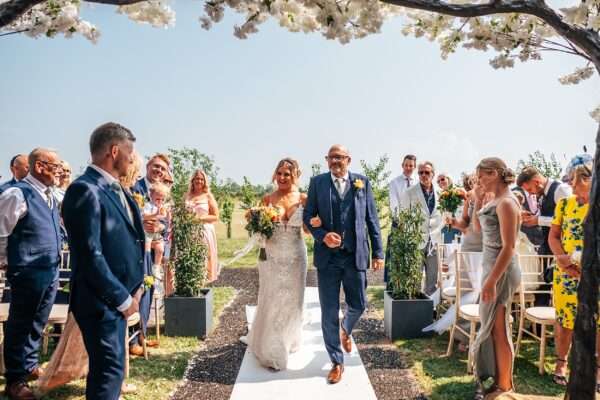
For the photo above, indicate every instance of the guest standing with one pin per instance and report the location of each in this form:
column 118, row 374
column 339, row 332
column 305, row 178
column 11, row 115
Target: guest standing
column 423, row 196
column 19, row 167
column 493, row 350
column 566, row 239
column 471, row 239
column 30, row 246
column 444, row 182
column 106, row 239
column 203, row 203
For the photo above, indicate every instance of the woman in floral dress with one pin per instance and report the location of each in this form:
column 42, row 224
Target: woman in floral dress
column 566, row 242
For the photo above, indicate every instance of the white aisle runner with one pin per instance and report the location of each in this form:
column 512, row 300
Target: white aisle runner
column 306, row 376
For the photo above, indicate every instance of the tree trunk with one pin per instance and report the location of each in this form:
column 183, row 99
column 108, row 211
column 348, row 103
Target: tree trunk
column 582, row 382
column 229, row 230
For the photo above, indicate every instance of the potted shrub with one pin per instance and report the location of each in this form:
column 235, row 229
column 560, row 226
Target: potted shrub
column 188, row 312
column 406, row 309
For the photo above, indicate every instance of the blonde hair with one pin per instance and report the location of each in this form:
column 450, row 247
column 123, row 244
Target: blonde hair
column 133, row 171
column 162, row 157
column 160, row 188
column 580, row 172
column 292, row 165
column 205, row 189
column 505, row 174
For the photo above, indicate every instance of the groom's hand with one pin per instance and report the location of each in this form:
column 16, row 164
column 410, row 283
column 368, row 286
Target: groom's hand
column 332, row 240
column 377, row 264
column 133, row 308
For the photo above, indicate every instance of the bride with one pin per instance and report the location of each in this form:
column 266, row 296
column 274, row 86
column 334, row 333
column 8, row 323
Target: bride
column 276, row 329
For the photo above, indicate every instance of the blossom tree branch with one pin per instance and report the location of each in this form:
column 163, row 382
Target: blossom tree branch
column 12, row 9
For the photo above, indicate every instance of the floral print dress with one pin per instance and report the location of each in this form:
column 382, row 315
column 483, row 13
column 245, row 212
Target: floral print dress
column 569, row 215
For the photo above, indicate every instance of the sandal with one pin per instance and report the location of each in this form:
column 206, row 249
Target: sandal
column 560, row 380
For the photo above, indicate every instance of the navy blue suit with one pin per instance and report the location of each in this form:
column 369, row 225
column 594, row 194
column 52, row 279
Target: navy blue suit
column 33, row 250
column 141, row 188
column 353, row 216
column 107, row 258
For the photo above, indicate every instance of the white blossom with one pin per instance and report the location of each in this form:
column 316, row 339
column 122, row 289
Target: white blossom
column 154, row 12
column 595, row 114
column 579, row 75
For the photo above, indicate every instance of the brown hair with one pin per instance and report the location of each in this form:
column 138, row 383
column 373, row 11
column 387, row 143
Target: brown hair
column 410, row 157
column 505, row 174
column 292, row 165
column 468, row 181
column 527, row 174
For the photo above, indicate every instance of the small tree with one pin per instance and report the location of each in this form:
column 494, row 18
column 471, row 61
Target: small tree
column 316, row 169
column 185, row 161
column 248, row 195
column 406, row 257
column 549, row 167
column 378, row 176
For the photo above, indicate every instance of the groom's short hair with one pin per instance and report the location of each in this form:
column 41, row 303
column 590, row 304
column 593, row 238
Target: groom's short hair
column 108, row 134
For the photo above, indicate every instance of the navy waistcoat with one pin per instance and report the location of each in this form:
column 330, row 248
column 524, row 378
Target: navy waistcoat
column 344, row 217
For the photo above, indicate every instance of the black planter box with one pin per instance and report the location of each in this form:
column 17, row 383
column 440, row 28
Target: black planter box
column 189, row 316
column 405, row 319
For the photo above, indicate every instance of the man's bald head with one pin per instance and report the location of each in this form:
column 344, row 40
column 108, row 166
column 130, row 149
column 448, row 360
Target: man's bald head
column 338, row 159
column 44, row 165
column 19, row 166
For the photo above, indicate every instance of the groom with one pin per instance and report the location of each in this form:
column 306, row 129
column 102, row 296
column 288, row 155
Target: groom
column 344, row 203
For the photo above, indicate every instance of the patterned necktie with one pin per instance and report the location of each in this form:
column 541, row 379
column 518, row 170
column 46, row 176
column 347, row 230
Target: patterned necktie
column 407, row 182
column 49, row 197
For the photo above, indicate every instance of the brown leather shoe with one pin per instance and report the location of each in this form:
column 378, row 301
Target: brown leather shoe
column 346, row 341
column 335, row 374
column 19, row 391
column 152, row 343
column 35, row 374
column 136, row 350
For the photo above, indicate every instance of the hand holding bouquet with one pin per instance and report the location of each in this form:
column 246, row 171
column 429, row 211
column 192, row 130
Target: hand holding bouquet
column 449, row 201
column 262, row 221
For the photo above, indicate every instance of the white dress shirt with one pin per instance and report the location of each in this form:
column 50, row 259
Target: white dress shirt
column 343, row 181
column 12, row 208
column 397, row 186
column 111, row 180
column 563, row 190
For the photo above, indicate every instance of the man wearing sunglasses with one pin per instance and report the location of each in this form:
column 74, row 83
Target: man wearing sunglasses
column 423, row 196
column 30, row 252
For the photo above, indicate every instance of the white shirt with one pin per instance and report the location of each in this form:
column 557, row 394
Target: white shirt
column 397, row 186
column 111, row 179
column 563, row 190
column 13, row 207
column 343, row 181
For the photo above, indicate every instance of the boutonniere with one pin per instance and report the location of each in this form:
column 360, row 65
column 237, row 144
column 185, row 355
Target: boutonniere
column 139, row 199
column 359, row 184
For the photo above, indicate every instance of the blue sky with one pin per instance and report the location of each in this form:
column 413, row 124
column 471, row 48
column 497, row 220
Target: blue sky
column 251, row 102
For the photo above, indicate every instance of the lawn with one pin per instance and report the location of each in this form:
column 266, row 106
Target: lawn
column 446, row 378
column 158, row 376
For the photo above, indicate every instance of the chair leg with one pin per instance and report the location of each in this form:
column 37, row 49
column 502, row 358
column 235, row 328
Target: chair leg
column 145, row 348
column 126, row 352
column 157, row 320
column 542, row 349
column 45, row 335
column 471, row 341
column 519, row 335
column 451, row 341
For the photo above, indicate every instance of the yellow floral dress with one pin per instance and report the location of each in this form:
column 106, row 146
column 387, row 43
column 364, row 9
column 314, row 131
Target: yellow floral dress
column 569, row 215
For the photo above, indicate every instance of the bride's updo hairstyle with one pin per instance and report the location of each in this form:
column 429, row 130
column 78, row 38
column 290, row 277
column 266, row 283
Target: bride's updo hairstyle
column 505, row 174
column 293, row 167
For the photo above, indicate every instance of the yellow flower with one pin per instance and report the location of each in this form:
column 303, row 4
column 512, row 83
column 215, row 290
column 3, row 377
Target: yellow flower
column 359, row 184
column 139, row 199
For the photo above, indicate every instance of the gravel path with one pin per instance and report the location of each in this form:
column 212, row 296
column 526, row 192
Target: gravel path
column 213, row 371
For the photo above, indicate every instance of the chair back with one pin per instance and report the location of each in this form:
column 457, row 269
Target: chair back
column 446, row 256
column 467, row 274
column 532, row 275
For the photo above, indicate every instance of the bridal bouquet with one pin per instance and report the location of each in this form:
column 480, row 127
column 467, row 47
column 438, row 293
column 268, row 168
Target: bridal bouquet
column 261, row 223
column 450, row 199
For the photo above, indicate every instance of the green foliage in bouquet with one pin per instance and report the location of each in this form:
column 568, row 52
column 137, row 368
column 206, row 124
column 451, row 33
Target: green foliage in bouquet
column 189, row 252
column 406, row 256
column 262, row 220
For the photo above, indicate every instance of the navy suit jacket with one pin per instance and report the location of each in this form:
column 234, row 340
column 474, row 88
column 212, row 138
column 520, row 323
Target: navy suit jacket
column 366, row 223
column 141, row 188
column 107, row 249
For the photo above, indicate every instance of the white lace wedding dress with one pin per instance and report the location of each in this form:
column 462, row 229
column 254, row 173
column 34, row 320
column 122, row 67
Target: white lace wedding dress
column 276, row 328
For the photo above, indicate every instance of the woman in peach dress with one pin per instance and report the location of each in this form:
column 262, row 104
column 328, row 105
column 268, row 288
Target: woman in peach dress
column 202, row 202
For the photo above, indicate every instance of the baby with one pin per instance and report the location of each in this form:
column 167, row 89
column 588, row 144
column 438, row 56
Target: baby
column 156, row 208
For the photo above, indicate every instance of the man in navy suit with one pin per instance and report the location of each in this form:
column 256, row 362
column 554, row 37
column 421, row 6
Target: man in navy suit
column 19, row 166
column 344, row 203
column 106, row 239
column 30, row 252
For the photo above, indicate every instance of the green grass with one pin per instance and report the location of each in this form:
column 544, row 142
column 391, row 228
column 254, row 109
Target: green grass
column 158, row 376
column 446, row 378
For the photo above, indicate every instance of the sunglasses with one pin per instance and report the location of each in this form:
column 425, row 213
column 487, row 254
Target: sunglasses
column 336, row 158
column 425, row 173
